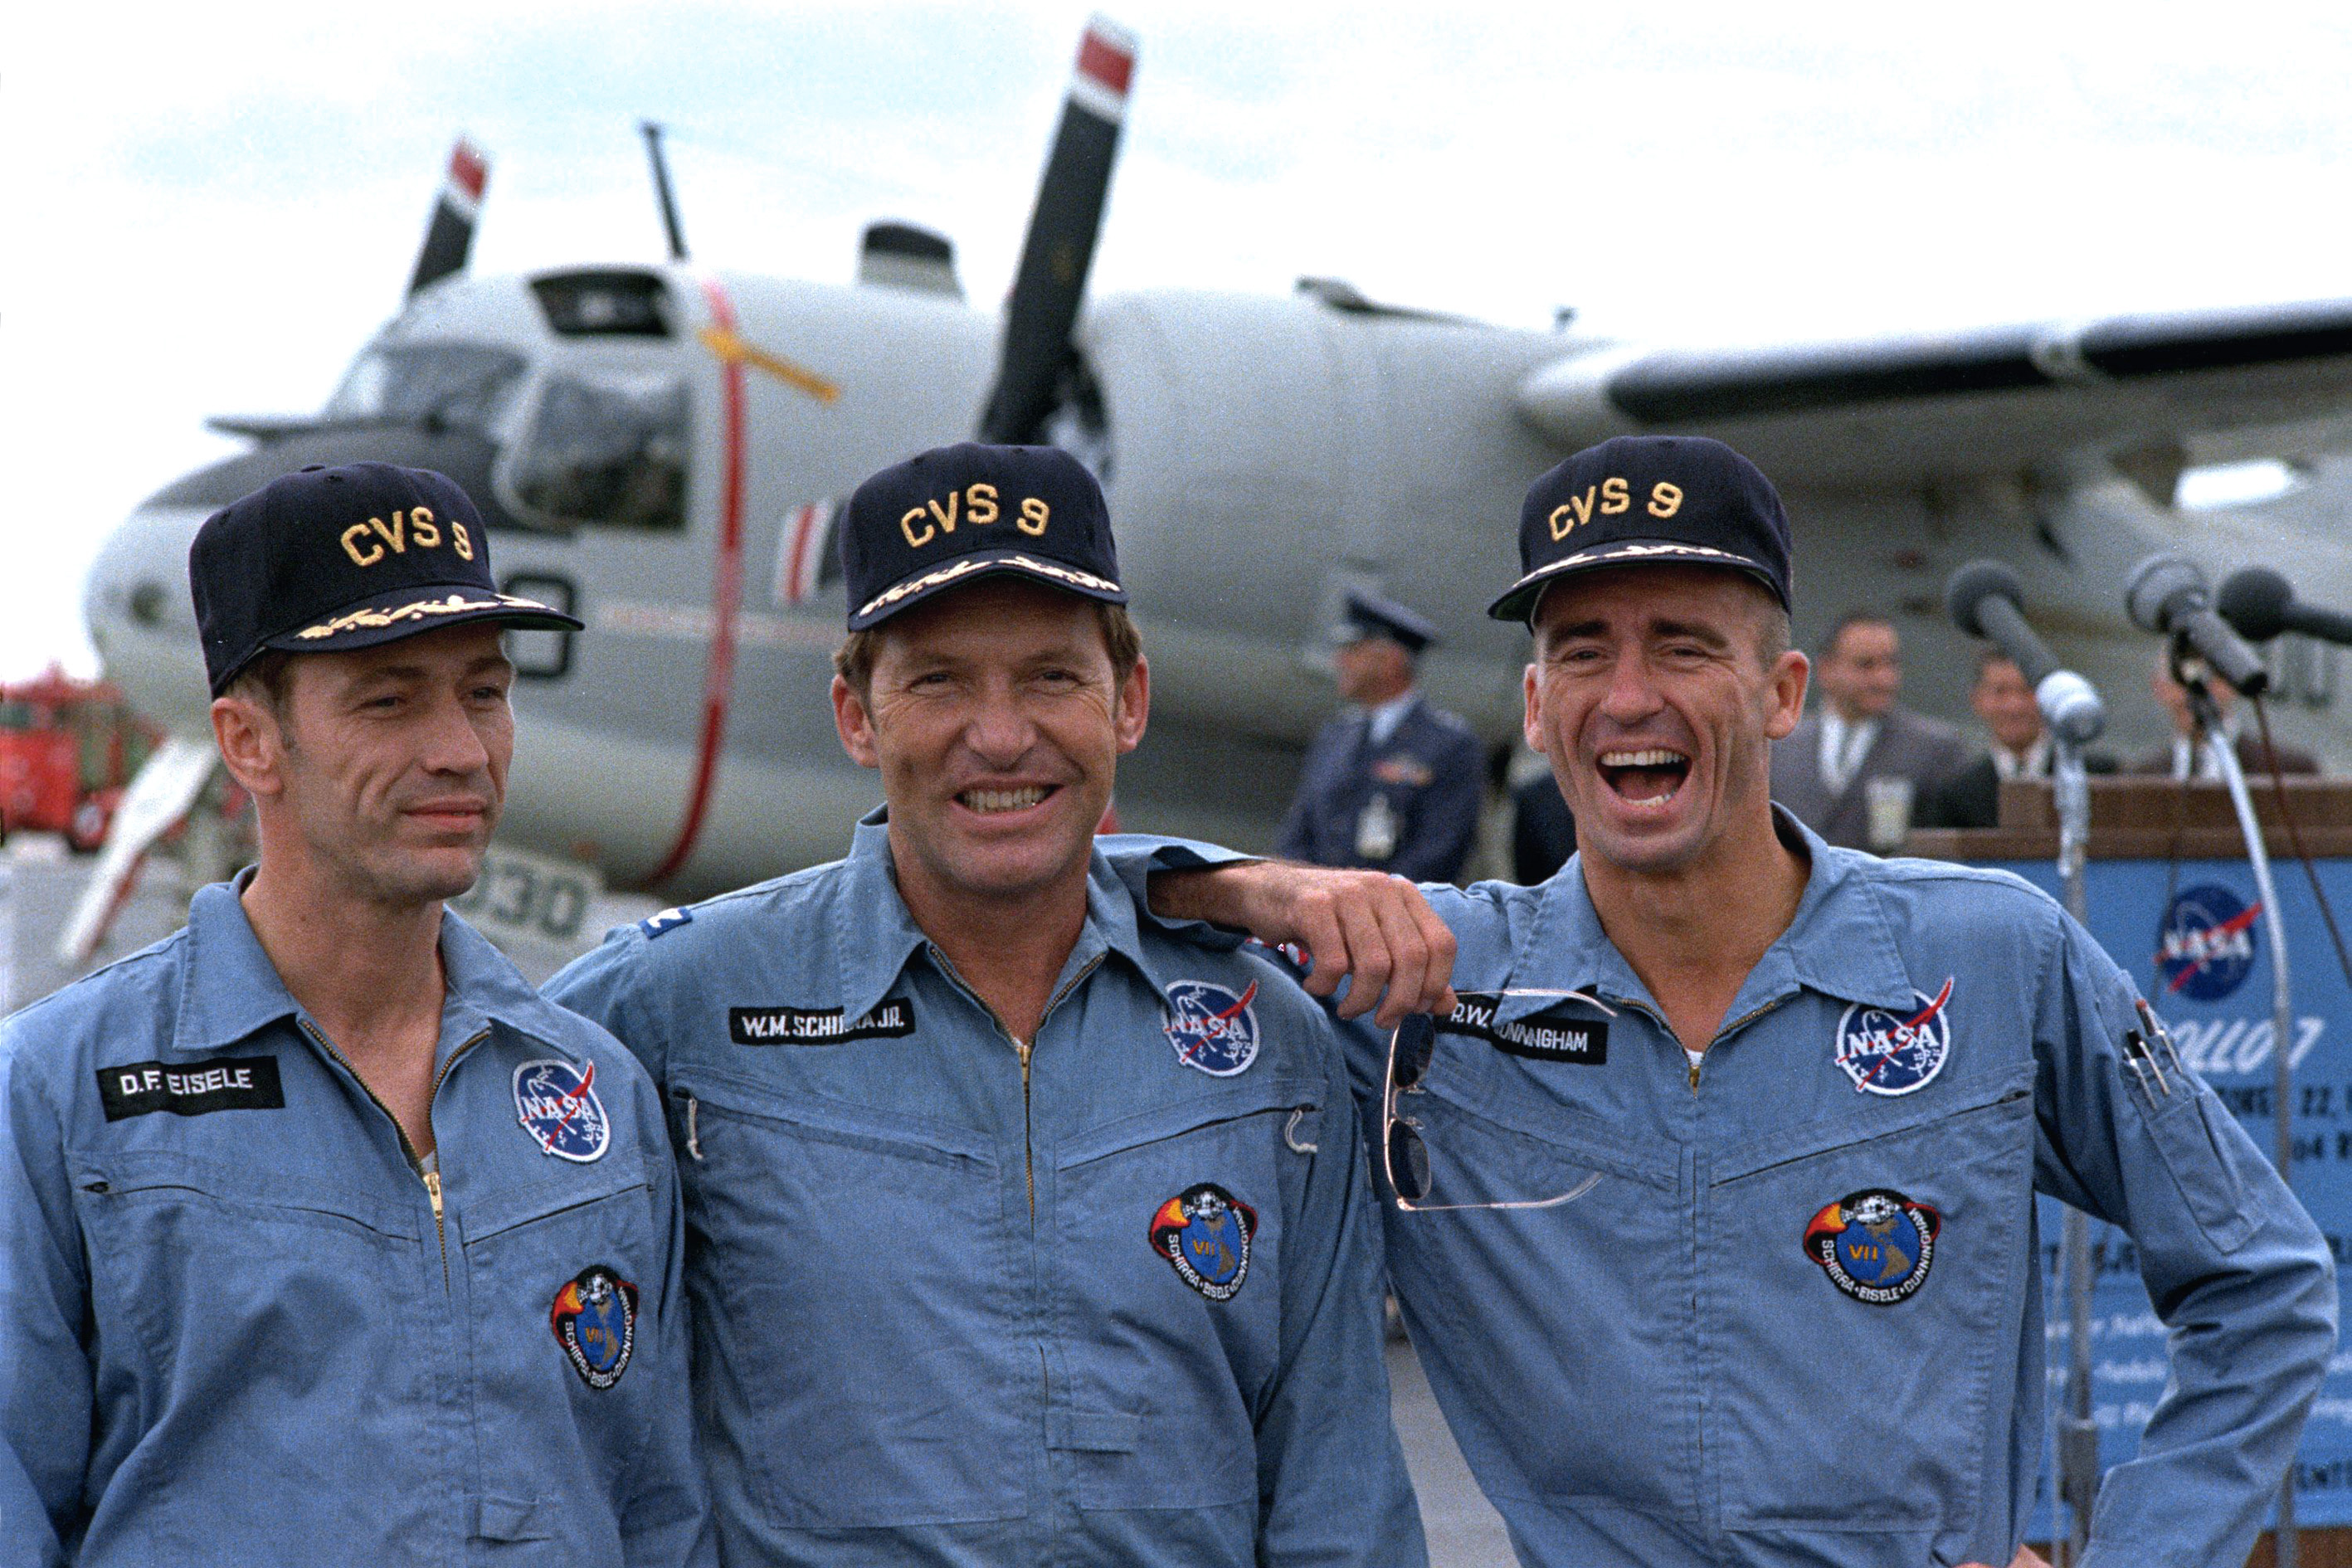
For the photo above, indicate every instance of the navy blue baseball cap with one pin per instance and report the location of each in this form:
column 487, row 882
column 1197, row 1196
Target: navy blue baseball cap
column 1370, row 616
column 1643, row 499
column 956, row 513
column 325, row 559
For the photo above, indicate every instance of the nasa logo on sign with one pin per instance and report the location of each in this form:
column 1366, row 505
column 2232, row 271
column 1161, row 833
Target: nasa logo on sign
column 2205, row 946
column 1895, row 1053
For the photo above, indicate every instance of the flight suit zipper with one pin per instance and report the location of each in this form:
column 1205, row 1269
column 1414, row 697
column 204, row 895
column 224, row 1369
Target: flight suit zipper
column 432, row 1179
column 1022, row 1049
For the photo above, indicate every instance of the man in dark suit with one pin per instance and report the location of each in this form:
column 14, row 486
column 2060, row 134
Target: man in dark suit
column 2185, row 756
column 1543, row 830
column 1860, row 767
column 1393, row 785
column 2021, row 749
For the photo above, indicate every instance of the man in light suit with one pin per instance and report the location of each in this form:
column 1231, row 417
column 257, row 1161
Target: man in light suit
column 1861, row 762
column 1393, row 785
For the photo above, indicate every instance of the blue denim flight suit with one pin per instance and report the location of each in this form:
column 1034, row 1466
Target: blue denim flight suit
column 239, row 1333
column 937, row 1314
column 1669, row 1372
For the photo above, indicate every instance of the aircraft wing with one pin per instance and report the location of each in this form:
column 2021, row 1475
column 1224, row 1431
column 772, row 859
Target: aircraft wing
column 1871, row 412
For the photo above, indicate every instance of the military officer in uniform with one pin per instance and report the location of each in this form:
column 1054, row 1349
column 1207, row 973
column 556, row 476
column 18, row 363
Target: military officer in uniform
column 1711, row 1186
column 1393, row 785
column 1025, row 1233
column 322, row 1237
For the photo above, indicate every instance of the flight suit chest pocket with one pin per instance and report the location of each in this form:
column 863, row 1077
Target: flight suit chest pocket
column 1170, row 1229
column 1605, row 1274
column 856, row 1295
column 222, row 1269
column 1861, row 1288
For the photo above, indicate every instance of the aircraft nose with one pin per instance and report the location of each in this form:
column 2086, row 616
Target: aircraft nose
column 141, row 621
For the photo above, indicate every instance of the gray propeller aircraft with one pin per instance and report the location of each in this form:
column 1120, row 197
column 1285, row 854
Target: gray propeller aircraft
column 662, row 450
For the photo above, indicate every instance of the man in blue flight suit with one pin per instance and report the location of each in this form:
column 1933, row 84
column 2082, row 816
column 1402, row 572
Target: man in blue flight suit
column 1393, row 784
column 1024, row 1232
column 322, row 1237
column 1747, row 1270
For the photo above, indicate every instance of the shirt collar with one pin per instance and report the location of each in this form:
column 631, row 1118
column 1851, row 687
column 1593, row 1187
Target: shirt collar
column 1382, row 718
column 888, row 935
column 1839, row 943
column 2030, row 763
column 229, row 990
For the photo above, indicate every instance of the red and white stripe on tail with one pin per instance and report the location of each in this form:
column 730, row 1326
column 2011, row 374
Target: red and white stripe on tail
column 470, row 174
column 1106, row 65
column 801, row 545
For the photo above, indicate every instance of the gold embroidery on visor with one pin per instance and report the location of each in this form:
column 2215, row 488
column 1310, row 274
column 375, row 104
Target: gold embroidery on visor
column 965, row 567
column 455, row 604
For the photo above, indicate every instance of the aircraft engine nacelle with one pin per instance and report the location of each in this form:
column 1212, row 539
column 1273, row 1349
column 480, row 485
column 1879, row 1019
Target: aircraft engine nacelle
column 1266, row 454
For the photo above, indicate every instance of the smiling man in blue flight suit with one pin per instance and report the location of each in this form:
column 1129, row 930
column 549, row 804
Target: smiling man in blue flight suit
column 1771, row 1295
column 1022, row 1231
column 322, row 1237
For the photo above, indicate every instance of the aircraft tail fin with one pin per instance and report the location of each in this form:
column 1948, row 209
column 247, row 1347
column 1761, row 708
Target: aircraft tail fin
column 1052, row 282
column 450, row 235
column 156, row 802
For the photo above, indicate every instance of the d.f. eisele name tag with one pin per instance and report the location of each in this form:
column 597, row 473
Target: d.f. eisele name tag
column 225, row 1083
column 819, row 1025
column 1584, row 1041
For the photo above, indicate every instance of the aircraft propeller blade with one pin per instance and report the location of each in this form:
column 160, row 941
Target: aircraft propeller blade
column 1042, row 308
column 451, row 233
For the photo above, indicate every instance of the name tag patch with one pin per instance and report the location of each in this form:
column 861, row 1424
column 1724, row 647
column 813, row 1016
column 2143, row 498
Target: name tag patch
column 1584, row 1041
column 226, row 1083
column 890, row 1020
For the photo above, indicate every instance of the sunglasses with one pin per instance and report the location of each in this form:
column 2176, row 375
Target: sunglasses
column 1404, row 1152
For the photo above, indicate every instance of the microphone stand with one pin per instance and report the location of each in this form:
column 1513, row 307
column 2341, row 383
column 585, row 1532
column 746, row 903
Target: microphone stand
column 2078, row 1435
column 2191, row 672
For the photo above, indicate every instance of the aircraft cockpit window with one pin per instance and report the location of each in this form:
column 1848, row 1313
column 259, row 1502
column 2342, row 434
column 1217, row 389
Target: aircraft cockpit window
column 607, row 451
column 604, row 302
column 449, row 383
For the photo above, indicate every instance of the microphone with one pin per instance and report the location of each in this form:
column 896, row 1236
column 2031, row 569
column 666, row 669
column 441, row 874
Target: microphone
column 2260, row 604
column 2166, row 595
column 1985, row 600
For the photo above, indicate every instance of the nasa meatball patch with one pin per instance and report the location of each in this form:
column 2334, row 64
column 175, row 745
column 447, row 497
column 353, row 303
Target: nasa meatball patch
column 595, row 1320
column 556, row 1103
column 1213, row 1030
column 1895, row 1053
column 1876, row 1245
column 1205, row 1234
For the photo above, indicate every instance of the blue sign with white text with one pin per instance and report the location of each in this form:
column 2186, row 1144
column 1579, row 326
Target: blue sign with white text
column 2195, row 938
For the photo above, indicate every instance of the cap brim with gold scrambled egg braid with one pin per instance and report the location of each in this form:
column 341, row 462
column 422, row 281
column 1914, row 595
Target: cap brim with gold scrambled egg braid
column 947, row 516
column 1648, row 499
column 327, row 559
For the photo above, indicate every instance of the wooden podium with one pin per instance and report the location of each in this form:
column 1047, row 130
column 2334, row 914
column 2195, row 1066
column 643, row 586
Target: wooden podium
column 2135, row 818
column 2173, row 825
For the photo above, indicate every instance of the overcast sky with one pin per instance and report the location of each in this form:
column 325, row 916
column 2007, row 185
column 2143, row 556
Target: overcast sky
column 211, row 207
